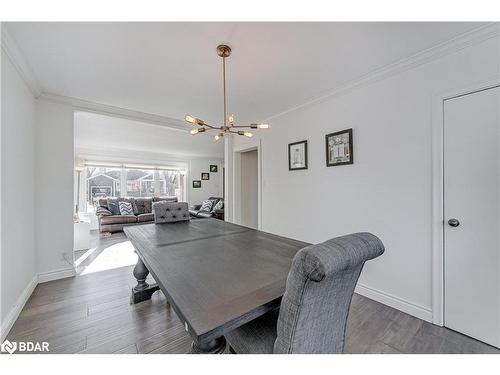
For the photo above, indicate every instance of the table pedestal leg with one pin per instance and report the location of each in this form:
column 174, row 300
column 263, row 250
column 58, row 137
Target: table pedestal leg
column 216, row 346
column 142, row 291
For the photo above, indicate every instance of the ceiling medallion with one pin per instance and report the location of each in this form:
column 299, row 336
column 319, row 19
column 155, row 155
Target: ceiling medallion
column 228, row 126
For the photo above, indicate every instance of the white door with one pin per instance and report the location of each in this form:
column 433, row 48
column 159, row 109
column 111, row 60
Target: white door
column 471, row 209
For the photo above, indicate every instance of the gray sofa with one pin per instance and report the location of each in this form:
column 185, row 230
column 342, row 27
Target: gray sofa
column 195, row 211
column 142, row 207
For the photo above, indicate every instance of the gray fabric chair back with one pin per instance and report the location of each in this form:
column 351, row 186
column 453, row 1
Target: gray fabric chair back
column 170, row 212
column 319, row 289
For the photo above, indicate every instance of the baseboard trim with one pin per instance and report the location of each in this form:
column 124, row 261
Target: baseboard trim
column 405, row 306
column 56, row 275
column 14, row 312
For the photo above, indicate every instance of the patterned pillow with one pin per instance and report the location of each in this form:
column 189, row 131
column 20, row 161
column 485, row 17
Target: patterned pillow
column 126, row 208
column 218, row 206
column 113, row 206
column 207, row 205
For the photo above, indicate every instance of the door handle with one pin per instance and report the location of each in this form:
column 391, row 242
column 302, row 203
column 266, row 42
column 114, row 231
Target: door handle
column 453, row 223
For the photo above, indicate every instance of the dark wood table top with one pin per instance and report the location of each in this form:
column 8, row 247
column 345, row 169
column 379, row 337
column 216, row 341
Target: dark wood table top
column 216, row 275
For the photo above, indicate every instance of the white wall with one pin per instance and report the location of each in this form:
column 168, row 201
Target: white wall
column 249, row 189
column 54, row 190
column 209, row 188
column 387, row 190
column 18, row 255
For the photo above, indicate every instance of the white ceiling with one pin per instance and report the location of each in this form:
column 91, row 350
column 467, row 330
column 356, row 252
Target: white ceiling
column 171, row 69
column 103, row 135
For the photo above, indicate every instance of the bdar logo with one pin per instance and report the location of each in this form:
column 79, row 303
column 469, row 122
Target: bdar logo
column 9, row 347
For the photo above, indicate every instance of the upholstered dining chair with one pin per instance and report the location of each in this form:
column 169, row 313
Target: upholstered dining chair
column 314, row 309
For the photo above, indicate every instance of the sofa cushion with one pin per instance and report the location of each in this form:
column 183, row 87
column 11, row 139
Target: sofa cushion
column 144, row 205
column 193, row 213
column 203, row 214
column 118, row 219
column 113, row 206
column 142, row 218
column 125, row 208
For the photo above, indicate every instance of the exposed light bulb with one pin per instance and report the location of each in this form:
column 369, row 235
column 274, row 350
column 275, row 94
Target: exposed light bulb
column 248, row 134
column 190, row 119
column 193, row 131
column 231, row 119
column 219, row 136
column 259, row 126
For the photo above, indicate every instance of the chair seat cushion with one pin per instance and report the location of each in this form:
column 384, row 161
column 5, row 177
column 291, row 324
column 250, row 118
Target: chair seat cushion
column 118, row 219
column 142, row 218
column 255, row 337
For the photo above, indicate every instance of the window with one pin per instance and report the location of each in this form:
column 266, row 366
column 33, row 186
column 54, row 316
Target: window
column 103, row 182
column 171, row 183
column 140, row 183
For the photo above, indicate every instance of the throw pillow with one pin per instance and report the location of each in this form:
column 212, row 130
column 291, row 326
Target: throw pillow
column 218, row 206
column 101, row 211
column 113, row 206
column 126, row 208
column 207, row 205
column 144, row 205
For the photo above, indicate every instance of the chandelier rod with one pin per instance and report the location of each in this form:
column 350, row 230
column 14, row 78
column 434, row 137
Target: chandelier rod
column 224, row 84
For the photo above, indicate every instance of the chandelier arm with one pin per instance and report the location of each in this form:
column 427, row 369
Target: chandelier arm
column 210, row 126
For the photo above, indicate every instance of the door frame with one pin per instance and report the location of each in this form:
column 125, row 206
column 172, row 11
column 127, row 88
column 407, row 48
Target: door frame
column 237, row 150
column 437, row 215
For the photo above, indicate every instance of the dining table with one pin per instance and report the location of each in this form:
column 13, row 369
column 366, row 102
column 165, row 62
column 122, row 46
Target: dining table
column 216, row 275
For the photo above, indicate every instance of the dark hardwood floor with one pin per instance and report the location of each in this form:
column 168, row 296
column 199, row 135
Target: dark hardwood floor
column 91, row 313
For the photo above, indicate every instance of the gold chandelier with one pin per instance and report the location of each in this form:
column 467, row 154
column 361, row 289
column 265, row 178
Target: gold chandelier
column 228, row 126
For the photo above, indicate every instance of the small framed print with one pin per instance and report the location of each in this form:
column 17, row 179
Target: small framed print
column 213, row 168
column 196, row 184
column 297, row 156
column 339, row 150
column 205, row 176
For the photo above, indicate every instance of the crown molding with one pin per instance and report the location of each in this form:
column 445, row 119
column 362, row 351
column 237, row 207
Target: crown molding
column 448, row 47
column 126, row 155
column 17, row 58
column 109, row 110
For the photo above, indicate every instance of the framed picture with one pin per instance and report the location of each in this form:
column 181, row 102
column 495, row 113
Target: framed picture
column 205, row 176
column 297, row 156
column 339, row 148
column 213, row 168
column 196, row 184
